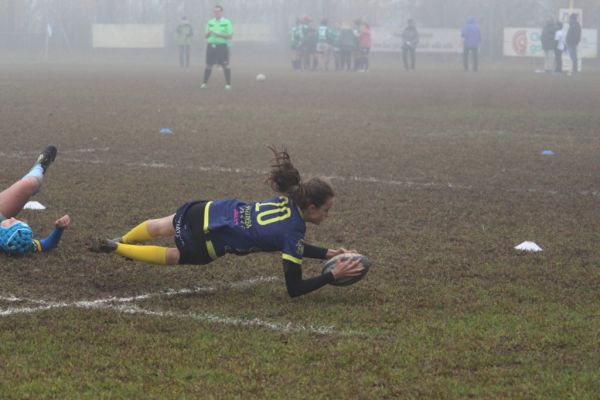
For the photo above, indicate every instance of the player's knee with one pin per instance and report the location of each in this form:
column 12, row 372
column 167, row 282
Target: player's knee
column 161, row 226
column 30, row 185
column 172, row 256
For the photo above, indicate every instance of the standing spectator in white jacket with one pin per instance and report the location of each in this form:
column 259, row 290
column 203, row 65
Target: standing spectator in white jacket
column 561, row 45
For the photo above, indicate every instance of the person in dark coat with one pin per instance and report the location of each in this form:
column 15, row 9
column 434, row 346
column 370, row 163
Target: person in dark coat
column 573, row 39
column 410, row 40
column 548, row 44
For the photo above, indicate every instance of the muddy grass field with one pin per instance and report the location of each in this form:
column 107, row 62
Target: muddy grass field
column 438, row 176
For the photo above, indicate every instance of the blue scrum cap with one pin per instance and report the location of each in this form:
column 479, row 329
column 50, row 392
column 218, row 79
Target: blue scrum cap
column 16, row 239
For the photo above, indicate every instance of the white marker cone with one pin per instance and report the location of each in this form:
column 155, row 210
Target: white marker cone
column 528, row 246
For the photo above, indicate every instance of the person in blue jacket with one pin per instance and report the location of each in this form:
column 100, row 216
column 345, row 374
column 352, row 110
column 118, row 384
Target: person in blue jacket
column 16, row 236
column 471, row 35
column 206, row 230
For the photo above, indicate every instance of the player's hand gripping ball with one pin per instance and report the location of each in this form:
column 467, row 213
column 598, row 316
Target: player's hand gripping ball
column 364, row 261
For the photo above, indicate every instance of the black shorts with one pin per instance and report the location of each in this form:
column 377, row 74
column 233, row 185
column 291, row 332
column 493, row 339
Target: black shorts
column 189, row 233
column 217, row 54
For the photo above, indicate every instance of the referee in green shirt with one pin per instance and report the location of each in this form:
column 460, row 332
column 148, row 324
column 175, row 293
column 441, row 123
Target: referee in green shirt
column 219, row 32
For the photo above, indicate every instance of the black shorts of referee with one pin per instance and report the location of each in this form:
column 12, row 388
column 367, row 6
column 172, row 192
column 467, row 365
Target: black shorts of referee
column 217, row 54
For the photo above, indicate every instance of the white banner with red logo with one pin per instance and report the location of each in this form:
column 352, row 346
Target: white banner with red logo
column 527, row 42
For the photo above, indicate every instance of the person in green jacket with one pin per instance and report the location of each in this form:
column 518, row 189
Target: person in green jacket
column 333, row 38
column 295, row 41
column 348, row 45
column 219, row 32
column 185, row 33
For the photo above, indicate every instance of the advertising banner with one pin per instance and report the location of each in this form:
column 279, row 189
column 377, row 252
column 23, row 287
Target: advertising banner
column 527, row 42
column 128, row 36
column 262, row 33
column 430, row 40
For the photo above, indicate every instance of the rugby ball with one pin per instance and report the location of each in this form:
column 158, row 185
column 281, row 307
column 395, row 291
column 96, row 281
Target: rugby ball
column 261, row 77
column 330, row 264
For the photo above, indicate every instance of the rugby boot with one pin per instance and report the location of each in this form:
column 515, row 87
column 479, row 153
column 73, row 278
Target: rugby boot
column 101, row 246
column 46, row 157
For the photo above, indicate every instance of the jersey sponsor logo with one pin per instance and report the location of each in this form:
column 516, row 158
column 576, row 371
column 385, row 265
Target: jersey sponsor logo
column 236, row 217
column 300, row 247
column 242, row 216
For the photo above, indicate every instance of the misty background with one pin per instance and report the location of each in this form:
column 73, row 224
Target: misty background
column 24, row 23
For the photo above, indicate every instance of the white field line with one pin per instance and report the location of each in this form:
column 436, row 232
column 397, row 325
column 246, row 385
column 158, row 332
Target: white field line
column 210, row 318
column 123, row 304
column 168, row 292
column 273, row 326
column 250, row 171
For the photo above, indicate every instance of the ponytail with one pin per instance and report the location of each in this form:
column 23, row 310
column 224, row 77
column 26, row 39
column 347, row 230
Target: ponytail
column 284, row 178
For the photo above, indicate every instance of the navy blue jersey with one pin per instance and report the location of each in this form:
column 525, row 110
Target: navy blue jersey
column 237, row 227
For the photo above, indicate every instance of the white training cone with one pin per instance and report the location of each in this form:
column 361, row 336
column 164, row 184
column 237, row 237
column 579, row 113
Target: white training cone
column 34, row 205
column 529, row 246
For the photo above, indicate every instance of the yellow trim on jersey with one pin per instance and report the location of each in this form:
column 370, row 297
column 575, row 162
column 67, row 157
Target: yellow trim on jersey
column 206, row 213
column 291, row 258
column 38, row 245
column 211, row 250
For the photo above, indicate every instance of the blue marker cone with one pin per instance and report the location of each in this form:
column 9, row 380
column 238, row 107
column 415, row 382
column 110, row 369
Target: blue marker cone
column 166, row 131
column 547, row 153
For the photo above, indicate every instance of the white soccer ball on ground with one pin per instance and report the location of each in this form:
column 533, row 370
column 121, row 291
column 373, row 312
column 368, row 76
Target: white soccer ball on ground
column 261, row 77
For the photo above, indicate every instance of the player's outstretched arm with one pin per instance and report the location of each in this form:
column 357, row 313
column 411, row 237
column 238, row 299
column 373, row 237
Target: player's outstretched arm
column 322, row 253
column 296, row 286
column 317, row 252
column 52, row 240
